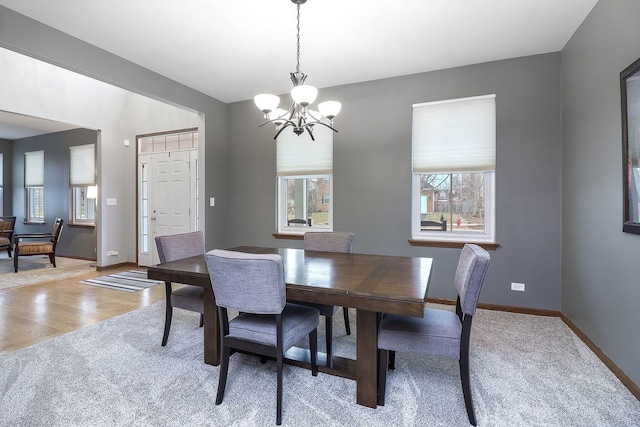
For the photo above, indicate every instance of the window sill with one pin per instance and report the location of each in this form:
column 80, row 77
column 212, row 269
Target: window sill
column 444, row 244
column 288, row 236
column 82, row 225
column 33, row 223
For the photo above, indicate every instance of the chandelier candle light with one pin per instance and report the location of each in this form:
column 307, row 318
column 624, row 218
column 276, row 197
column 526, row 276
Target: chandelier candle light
column 299, row 116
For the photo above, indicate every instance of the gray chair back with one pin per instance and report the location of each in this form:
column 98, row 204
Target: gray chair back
column 178, row 246
column 249, row 283
column 472, row 267
column 328, row 241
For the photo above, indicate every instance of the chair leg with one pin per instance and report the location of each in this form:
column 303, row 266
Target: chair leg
column 392, row 359
column 52, row 259
column 15, row 260
column 224, row 369
column 168, row 314
column 201, row 320
column 347, row 326
column 464, row 367
column 313, row 348
column 383, row 363
column 329, row 339
column 466, row 390
column 279, row 362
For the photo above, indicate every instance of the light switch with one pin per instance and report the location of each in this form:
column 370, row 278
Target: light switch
column 112, row 201
column 212, row 201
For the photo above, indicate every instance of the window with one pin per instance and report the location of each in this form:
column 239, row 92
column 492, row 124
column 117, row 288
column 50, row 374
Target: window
column 454, row 170
column 34, row 185
column 305, row 181
column 82, row 180
column 168, row 141
column 1, row 184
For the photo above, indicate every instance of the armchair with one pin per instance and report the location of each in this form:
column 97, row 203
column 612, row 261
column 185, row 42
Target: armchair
column 37, row 244
column 7, row 224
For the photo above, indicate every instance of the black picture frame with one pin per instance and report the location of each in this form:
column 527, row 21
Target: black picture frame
column 630, row 102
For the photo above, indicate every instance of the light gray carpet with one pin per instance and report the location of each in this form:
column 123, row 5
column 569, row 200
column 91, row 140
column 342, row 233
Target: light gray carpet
column 526, row 371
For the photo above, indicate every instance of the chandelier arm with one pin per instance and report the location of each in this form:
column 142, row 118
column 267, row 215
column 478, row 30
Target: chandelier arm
column 289, row 123
column 308, row 128
column 323, row 124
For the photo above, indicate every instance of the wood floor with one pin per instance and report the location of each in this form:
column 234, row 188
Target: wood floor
column 33, row 313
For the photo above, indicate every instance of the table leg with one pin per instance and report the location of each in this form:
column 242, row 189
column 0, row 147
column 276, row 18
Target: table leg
column 367, row 358
column 211, row 329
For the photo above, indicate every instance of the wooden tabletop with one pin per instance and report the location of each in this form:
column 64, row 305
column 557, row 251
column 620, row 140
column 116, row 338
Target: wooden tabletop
column 378, row 283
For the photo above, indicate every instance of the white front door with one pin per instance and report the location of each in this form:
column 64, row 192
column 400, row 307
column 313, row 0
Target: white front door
column 166, row 197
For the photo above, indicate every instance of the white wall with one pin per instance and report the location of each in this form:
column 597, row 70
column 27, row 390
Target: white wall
column 35, row 88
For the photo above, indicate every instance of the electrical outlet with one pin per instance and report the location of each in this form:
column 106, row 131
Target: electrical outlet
column 517, row 286
column 112, row 253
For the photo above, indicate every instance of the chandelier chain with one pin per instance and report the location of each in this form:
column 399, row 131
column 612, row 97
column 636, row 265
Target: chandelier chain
column 298, row 42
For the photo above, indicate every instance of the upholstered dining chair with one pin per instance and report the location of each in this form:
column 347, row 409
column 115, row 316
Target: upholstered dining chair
column 329, row 241
column 7, row 225
column 27, row 244
column 440, row 332
column 266, row 324
column 187, row 297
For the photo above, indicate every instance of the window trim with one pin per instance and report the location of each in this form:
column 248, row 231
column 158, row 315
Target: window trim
column 487, row 236
column 82, row 174
column 29, row 219
column 80, row 221
column 34, row 178
column 431, row 136
column 281, row 207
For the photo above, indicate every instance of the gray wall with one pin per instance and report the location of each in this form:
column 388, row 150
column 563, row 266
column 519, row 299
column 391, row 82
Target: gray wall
column 76, row 242
column 601, row 275
column 372, row 173
column 29, row 37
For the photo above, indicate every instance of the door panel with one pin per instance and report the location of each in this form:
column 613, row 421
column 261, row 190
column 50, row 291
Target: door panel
column 169, row 200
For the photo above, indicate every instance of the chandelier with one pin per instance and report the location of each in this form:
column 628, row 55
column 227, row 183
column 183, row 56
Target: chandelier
column 299, row 116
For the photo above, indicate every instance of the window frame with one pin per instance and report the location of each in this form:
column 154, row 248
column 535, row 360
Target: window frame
column 482, row 161
column 450, row 235
column 31, row 218
column 1, row 184
column 82, row 174
column 34, row 180
column 282, row 208
column 74, row 204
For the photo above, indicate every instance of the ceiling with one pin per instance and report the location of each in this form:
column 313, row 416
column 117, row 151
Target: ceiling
column 233, row 49
column 17, row 126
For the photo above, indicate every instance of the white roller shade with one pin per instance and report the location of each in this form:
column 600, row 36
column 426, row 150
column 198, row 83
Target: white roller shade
column 34, row 168
column 455, row 136
column 82, row 170
column 299, row 155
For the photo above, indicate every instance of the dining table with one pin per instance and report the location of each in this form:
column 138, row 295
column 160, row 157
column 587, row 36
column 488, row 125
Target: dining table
column 371, row 284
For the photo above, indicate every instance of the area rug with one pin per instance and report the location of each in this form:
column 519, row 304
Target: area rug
column 525, row 371
column 128, row 281
column 36, row 269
